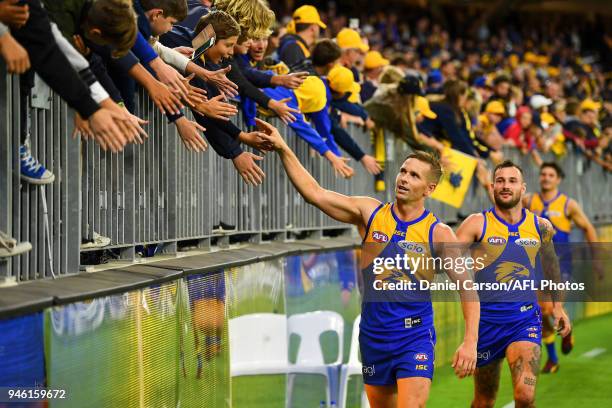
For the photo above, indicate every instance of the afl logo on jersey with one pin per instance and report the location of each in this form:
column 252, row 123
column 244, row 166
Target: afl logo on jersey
column 421, row 357
column 496, row 240
column 380, row 237
column 527, row 242
column 411, row 247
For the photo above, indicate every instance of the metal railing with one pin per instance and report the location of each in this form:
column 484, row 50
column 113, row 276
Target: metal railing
column 161, row 193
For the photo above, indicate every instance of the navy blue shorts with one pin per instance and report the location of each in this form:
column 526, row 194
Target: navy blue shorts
column 494, row 338
column 383, row 363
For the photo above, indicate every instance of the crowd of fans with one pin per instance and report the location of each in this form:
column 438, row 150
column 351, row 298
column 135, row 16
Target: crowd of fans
column 317, row 71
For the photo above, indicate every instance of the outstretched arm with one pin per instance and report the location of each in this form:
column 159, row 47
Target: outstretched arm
column 352, row 210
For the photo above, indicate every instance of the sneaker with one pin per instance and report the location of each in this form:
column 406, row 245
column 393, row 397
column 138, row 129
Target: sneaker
column 567, row 343
column 550, row 367
column 31, row 170
column 98, row 241
column 223, row 227
column 10, row 247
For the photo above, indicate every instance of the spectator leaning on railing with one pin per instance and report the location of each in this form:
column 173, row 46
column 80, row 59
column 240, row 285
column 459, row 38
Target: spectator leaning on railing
column 111, row 125
column 225, row 137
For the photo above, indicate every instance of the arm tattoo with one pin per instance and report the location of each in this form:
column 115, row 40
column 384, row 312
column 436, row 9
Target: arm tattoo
column 550, row 263
column 534, row 363
column 546, row 229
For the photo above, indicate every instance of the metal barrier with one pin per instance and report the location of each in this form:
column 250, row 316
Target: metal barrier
column 160, row 193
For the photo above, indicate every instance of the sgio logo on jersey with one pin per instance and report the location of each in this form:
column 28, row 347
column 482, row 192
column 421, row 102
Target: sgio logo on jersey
column 527, row 242
column 411, row 247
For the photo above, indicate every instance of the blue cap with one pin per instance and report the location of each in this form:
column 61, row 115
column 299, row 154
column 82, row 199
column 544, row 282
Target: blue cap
column 480, row 82
column 434, row 77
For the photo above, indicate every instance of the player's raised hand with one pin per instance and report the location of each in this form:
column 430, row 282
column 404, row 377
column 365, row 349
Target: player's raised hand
column 274, row 135
column 464, row 360
column 257, row 140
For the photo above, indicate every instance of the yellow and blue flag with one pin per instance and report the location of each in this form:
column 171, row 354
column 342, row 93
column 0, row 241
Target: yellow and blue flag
column 456, row 178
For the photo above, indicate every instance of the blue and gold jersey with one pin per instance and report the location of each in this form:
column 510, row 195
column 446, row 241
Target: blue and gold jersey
column 555, row 211
column 387, row 236
column 509, row 253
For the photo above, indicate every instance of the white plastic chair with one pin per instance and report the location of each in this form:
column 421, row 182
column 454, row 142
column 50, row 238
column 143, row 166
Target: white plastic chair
column 352, row 367
column 258, row 344
column 309, row 327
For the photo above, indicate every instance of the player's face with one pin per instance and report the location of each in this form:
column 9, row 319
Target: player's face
column 412, row 182
column 549, row 180
column 508, row 187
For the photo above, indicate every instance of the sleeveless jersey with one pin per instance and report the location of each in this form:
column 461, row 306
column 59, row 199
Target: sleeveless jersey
column 389, row 315
column 508, row 253
column 555, row 211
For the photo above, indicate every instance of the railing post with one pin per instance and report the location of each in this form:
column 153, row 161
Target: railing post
column 7, row 153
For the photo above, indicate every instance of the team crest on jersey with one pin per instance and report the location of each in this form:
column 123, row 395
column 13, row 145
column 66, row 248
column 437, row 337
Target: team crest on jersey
column 421, row 357
column 411, row 247
column 527, row 242
column 510, row 271
column 496, row 240
column 380, row 237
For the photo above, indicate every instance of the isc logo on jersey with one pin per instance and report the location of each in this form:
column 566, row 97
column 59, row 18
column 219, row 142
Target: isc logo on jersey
column 380, row 237
column 527, row 242
column 497, row 240
column 411, row 247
